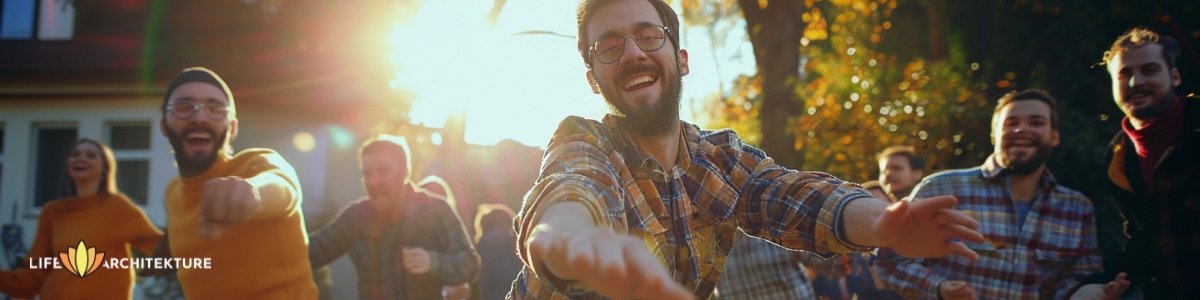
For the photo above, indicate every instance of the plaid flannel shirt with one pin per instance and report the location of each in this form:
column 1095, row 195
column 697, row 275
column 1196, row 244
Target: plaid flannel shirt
column 1044, row 256
column 757, row 269
column 428, row 223
column 688, row 215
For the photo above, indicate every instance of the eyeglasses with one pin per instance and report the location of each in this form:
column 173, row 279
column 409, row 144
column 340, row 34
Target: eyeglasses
column 650, row 38
column 184, row 110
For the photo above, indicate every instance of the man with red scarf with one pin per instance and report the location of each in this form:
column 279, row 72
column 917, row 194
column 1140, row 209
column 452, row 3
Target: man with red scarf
column 1154, row 171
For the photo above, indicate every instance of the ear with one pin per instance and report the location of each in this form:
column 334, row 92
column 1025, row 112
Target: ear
column 233, row 129
column 162, row 126
column 1175, row 78
column 591, row 78
column 1054, row 138
column 683, row 62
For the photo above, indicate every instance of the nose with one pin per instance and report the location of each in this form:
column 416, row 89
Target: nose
column 1136, row 80
column 632, row 51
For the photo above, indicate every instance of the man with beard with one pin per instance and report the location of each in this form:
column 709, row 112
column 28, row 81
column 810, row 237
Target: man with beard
column 643, row 205
column 1153, row 172
column 1040, row 236
column 241, row 210
column 405, row 241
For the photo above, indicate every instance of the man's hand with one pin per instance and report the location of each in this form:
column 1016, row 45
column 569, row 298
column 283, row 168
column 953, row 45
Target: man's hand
column 457, row 292
column 614, row 265
column 1110, row 291
column 227, row 200
column 927, row 228
column 955, row 290
column 416, row 260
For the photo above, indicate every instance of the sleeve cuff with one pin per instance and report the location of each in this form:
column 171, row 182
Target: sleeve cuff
column 830, row 232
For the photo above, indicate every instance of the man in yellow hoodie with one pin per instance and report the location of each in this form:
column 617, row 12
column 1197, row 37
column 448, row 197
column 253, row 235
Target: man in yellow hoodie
column 241, row 210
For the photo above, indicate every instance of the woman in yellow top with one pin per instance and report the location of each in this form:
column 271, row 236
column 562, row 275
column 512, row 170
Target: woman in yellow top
column 95, row 213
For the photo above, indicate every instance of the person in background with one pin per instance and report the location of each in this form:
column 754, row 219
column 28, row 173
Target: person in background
column 1040, row 236
column 96, row 214
column 405, row 241
column 899, row 171
column 1150, row 227
column 497, row 245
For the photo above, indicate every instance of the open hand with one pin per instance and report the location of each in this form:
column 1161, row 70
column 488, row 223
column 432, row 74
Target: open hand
column 927, row 228
column 613, row 265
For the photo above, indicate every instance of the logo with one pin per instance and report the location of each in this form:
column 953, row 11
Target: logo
column 81, row 260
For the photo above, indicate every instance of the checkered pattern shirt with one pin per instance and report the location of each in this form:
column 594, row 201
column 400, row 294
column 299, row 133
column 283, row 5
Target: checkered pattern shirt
column 375, row 247
column 758, row 269
column 1043, row 257
column 688, row 215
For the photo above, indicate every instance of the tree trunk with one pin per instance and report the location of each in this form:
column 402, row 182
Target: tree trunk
column 775, row 32
column 937, row 30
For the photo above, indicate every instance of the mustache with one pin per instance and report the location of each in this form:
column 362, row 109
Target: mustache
column 1138, row 89
column 1013, row 137
column 190, row 128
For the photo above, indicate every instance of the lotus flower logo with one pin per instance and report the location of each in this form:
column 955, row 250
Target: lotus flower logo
column 81, row 260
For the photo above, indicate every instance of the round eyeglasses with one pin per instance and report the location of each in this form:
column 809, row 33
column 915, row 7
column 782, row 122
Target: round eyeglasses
column 609, row 49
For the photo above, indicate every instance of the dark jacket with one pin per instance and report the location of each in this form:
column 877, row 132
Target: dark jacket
column 1160, row 248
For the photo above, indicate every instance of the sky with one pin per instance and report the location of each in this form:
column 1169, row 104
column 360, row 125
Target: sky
column 520, row 86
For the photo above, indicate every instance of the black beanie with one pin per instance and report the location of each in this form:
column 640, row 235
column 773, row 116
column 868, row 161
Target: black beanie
column 198, row 74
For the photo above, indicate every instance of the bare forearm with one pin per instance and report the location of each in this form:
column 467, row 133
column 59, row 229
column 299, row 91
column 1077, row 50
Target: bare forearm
column 562, row 218
column 859, row 218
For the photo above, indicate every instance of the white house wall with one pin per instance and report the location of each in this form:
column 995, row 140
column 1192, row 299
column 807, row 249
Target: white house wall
column 91, row 117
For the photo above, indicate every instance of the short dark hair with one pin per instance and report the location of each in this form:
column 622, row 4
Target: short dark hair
column 587, row 7
column 1029, row 95
column 492, row 215
column 1138, row 37
column 390, row 145
column 915, row 162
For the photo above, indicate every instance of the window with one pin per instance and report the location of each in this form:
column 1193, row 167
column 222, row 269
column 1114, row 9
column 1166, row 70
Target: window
column 131, row 147
column 34, row 19
column 51, row 143
column 1, row 158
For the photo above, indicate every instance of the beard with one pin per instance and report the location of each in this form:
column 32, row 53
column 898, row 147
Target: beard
column 1031, row 163
column 198, row 163
column 1154, row 110
column 660, row 117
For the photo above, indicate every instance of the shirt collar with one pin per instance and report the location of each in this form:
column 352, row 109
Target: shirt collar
column 689, row 139
column 992, row 171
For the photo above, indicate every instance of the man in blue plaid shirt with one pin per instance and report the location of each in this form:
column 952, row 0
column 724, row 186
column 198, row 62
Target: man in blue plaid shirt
column 1040, row 237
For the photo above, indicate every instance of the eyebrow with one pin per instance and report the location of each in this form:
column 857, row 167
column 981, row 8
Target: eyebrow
column 190, row 99
column 638, row 26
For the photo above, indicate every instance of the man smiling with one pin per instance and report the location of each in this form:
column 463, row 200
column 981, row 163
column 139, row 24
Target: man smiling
column 241, row 210
column 642, row 205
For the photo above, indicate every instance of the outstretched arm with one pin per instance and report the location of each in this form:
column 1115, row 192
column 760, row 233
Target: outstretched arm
column 617, row 266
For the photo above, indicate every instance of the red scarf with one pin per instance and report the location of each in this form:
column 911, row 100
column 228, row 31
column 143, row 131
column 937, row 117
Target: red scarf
column 1153, row 140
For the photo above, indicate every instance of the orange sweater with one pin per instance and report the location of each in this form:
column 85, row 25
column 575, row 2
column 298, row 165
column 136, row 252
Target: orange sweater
column 265, row 257
column 111, row 223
